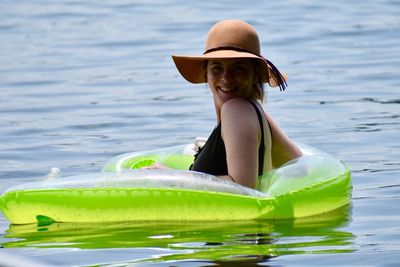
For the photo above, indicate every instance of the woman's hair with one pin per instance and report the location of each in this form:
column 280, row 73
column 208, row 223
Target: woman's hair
column 258, row 86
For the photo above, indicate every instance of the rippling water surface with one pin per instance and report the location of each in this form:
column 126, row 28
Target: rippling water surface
column 82, row 81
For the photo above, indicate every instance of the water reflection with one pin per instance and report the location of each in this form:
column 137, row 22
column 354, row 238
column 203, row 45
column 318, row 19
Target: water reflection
column 208, row 242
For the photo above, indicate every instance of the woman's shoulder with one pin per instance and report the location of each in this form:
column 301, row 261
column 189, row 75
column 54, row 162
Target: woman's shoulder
column 239, row 112
column 238, row 105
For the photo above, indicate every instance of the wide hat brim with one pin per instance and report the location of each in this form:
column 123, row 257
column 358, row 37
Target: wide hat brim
column 193, row 68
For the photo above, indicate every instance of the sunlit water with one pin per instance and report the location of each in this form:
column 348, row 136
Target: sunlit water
column 82, row 81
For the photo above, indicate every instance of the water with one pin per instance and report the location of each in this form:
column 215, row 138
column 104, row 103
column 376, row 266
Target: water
column 82, row 81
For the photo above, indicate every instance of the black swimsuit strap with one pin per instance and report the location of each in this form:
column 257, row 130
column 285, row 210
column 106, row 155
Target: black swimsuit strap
column 261, row 150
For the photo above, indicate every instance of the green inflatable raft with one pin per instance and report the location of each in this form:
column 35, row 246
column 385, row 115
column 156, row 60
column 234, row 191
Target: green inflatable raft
column 314, row 184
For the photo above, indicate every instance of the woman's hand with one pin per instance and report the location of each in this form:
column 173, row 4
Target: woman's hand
column 156, row 166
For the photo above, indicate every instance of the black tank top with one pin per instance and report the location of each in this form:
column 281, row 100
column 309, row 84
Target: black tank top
column 211, row 158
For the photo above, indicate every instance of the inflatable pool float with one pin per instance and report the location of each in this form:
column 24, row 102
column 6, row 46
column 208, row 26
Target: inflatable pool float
column 313, row 184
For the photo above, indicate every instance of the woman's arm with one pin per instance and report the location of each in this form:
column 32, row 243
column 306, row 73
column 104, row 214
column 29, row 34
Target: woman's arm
column 240, row 131
column 283, row 149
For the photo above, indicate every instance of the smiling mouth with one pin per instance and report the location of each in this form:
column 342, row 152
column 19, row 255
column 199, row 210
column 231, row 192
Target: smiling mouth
column 227, row 90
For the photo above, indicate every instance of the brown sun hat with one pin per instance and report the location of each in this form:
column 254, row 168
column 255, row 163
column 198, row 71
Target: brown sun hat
column 229, row 39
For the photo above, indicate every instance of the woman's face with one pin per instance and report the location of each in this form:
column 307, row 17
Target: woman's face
column 231, row 78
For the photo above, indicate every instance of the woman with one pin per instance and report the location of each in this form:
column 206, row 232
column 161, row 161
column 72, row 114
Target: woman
column 246, row 142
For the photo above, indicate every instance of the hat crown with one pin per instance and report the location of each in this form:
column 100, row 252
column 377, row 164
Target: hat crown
column 233, row 33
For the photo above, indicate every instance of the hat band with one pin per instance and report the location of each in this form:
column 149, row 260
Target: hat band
column 278, row 75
